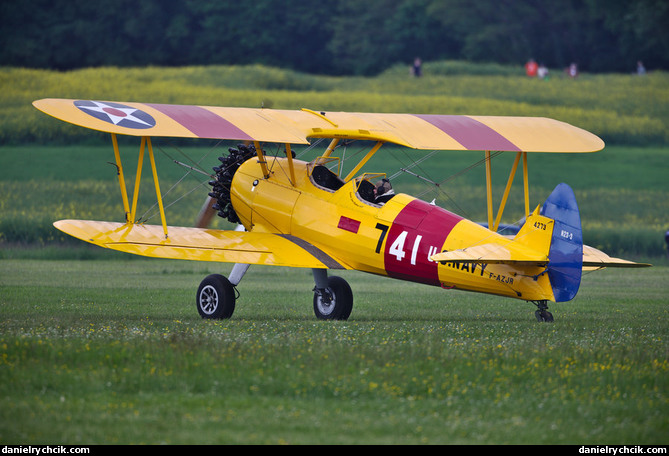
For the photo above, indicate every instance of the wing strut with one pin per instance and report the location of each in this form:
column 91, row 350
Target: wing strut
column 331, row 147
column 157, row 185
column 121, row 178
column 130, row 213
column 364, row 160
column 323, row 158
column 261, row 159
column 488, row 188
column 526, row 186
column 488, row 174
column 291, row 168
column 138, row 179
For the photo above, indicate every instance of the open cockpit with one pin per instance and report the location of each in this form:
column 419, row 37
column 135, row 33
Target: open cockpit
column 371, row 188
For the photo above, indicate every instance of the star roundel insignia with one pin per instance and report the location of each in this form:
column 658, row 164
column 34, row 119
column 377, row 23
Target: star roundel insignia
column 117, row 114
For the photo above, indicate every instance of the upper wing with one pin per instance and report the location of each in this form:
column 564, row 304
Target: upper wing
column 201, row 244
column 431, row 132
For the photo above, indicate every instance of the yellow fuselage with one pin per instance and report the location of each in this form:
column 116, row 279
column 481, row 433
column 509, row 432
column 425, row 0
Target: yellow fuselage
column 395, row 239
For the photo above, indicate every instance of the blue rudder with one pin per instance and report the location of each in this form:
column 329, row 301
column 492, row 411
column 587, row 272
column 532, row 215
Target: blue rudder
column 565, row 258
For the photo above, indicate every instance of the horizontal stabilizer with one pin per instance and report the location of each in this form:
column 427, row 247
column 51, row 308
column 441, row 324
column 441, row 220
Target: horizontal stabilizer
column 493, row 254
column 201, row 244
column 594, row 259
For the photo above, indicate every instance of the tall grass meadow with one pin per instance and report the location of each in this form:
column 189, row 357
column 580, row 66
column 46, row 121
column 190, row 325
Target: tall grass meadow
column 622, row 190
column 619, row 108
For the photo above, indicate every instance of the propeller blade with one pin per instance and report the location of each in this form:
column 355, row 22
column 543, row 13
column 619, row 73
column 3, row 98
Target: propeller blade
column 206, row 213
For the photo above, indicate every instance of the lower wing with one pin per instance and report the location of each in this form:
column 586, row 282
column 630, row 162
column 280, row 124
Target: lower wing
column 201, row 244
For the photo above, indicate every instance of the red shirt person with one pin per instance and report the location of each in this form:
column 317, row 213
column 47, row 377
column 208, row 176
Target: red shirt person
column 531, row 68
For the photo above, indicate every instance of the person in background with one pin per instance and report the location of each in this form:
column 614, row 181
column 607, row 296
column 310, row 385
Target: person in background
column 416, row 68
column 531, row 68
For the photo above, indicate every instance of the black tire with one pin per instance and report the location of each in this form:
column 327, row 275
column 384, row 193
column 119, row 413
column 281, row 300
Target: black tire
column 215, row 297
column 544, row 316
column 341, row 304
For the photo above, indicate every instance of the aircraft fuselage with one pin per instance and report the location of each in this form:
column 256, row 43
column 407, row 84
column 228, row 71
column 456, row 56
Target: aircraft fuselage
column 395, row 239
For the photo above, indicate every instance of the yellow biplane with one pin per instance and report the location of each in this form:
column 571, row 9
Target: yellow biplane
column 308, row 215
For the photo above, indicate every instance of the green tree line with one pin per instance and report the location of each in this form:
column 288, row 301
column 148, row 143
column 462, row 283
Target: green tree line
column 337, row 37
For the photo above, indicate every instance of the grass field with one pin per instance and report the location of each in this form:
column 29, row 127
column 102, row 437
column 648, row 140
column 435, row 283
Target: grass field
column 98, row 347
column 113, row 351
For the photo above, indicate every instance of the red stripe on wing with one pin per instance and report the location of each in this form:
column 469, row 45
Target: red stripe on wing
column 202, row 122
column 469, row 132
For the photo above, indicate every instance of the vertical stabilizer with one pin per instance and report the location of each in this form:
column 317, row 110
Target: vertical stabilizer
column 566, row 251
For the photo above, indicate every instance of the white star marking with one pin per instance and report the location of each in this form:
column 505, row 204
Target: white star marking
column 115, row 114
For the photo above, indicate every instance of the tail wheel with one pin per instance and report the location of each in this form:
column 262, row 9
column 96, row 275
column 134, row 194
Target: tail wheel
column 334, row 302
column 215, row 297
column 542, row 313
column 543, row 316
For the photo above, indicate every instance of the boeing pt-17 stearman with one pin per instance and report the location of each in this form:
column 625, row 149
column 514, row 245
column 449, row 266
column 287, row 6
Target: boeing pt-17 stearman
column 307, row 215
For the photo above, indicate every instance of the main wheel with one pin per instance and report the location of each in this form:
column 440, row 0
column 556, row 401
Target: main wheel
column 335, row 302
column 215, row 297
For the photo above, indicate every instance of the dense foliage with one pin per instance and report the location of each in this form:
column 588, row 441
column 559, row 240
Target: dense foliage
column 336, row 37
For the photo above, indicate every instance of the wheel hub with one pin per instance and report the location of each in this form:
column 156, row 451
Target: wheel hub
column 208, row 300
column 326, row 301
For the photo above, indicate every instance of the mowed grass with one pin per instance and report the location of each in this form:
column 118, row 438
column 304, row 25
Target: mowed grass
column 113, row 351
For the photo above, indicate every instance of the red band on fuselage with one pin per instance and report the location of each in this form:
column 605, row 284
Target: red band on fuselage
column 418, row 232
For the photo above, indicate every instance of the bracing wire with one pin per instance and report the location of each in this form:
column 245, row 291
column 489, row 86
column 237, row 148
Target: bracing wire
column 151, row 212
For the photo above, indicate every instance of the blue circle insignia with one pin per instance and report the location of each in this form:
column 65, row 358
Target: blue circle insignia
column 117, row 114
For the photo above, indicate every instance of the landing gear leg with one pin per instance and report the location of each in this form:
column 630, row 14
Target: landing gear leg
column 542, row 313
column 237, row 273
column 333, row 298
